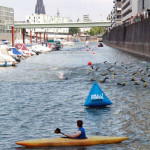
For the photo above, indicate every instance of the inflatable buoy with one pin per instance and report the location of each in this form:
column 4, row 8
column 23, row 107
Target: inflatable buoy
column 93, row 52
column 90, row 63
column 96, row 97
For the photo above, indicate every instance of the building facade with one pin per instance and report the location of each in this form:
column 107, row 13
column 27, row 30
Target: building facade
column 129, row 8
column 6, row 19
column 86, row 18
column 46, row 19
column 115, row 15
column 124, row 10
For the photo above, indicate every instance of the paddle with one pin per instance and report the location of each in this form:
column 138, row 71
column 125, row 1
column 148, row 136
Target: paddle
column 57, row 131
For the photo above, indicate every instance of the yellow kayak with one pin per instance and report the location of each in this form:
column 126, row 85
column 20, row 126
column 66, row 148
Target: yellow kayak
column 93, row 140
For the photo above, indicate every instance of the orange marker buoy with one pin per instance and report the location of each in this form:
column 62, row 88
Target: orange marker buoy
column 93, row 52
column 90, row 63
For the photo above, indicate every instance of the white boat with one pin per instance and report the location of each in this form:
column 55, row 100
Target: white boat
column 23, row 49
column 2, row 62
column 20, row 41
column 40, row 49
column 30, row 50
column 67, row 43
column 12, row 51
column 4, row 55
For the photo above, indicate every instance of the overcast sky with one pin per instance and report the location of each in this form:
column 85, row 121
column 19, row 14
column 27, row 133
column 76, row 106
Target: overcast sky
column 74, row 9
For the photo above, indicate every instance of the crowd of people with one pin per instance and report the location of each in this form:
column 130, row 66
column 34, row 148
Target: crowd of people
column 141, row 16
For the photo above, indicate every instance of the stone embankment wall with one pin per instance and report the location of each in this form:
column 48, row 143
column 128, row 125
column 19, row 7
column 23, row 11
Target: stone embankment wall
column 134, row 38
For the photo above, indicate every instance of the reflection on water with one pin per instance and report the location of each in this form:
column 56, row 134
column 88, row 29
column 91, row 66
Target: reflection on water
column 48, row 91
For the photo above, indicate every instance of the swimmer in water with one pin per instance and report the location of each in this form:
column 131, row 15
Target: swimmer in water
column 123, row 84
column 103, row 81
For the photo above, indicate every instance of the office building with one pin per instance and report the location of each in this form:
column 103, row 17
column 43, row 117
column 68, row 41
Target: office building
column 46, row 19
column 86, row 18
column 6, row 19
column 115, row 15
column 129, row 8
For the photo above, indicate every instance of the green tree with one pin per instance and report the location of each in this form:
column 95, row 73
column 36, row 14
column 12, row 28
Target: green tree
column 97, row 30
column 74, row 31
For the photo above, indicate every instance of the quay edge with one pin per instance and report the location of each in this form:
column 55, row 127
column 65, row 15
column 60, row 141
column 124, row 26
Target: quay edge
column 134, row 38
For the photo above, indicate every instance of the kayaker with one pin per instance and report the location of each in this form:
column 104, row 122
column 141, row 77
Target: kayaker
column 81, row 131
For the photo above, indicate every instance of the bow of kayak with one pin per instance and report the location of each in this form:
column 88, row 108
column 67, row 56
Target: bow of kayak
column 93, row 140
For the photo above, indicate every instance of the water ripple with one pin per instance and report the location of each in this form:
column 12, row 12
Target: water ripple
column 49, row 91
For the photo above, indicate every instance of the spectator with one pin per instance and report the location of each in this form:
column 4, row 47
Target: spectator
column 136, row 18
column 148, row 13
column 144, row 14
column 131, row 20
column 141, row 16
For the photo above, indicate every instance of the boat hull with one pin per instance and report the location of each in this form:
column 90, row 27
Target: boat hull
column 93, row 140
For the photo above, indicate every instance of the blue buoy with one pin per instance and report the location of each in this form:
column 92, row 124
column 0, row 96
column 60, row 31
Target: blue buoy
column 97, row 97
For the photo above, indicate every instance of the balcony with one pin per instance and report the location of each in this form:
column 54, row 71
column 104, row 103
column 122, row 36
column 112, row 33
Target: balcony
column 128, row 8
column 125, row 2
column 127, row 13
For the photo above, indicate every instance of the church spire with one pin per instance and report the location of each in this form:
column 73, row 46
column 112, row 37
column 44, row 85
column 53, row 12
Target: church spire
column 40, row 8
column 58, row 14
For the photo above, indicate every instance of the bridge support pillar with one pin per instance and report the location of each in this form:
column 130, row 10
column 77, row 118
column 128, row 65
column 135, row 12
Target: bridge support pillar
column 67, row 37
column 13, row 37
column 31, row 37
column 36, row 37
column 23, row 35
column 40, row 36
column 44, row 36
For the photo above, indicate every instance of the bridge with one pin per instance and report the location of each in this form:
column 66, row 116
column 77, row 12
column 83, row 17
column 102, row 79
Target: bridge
column 62, row 25
column 24, row 26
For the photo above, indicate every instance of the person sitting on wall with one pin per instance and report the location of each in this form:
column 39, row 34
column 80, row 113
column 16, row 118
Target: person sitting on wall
column 141, row 16
column 144, row 14
column 148, row 13
column 131, row 20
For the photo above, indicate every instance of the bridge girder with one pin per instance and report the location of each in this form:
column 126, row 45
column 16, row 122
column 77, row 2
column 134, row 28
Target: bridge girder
column 62, row 25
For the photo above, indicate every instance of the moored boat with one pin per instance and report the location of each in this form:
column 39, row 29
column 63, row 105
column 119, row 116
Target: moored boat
column 23, row 49
column 4, row 55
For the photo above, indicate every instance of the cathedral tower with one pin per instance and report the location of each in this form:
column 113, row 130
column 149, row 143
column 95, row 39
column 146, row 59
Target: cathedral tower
column 40, row 8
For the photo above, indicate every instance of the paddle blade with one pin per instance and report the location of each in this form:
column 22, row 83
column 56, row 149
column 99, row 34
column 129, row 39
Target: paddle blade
column 57, row 131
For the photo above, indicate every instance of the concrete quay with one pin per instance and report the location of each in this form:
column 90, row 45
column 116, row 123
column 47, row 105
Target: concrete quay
column 134, row 38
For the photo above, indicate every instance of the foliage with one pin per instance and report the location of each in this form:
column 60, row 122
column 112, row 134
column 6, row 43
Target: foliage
column 74, row 31
column 97, row 30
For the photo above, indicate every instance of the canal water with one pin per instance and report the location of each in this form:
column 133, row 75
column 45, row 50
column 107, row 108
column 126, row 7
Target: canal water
column 48, row 91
